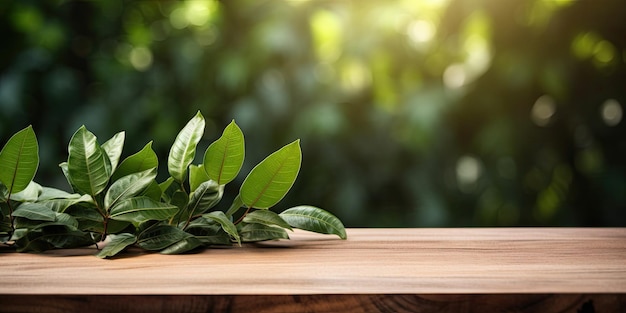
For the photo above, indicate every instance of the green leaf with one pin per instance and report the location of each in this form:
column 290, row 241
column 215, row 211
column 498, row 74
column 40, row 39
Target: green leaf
column 235, row 206
column 143, row 160
column 208, row 232
column 183, row 150
column 66, row 173
column 128, row 187
column 34, row 211
column 225, row 222
column 88, row 165
column 19, row 160
column 113, row 148
column 224, row 157
column 60, row 219
column 29, row 194
column 141, row 209
column 197, row 176
column 48, row 193
column 118, row 243
column 183, row 246
column 204, row 198
column 180, row 199
column 160, row 237
column 52, row 237
column 270, row 180
column 266, row 217
column 153, row 191
column 260, row 232
column 314, row 219
column 60, row 205
column 4, row 193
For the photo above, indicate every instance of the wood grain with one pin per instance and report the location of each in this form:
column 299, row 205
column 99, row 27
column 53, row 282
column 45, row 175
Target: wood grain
column 446, row 270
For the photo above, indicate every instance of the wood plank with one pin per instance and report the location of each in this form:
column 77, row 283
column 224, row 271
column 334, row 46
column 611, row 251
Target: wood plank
column 519, row 303
column 371, row 261
column 579, row 270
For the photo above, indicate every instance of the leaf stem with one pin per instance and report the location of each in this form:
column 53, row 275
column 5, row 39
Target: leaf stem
column 11, row 218
column 243, row 216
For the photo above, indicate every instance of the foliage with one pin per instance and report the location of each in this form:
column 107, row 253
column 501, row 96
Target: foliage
column 440, row 113
column 124, row 201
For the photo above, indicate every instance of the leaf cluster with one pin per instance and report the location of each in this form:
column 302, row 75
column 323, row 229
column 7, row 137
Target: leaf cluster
column 120, row 203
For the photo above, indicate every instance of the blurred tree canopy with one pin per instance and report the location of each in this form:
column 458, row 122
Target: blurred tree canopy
column 411, row 113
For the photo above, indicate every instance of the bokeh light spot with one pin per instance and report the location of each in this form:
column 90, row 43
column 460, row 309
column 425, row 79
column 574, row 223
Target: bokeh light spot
column 140, row 58
column 611, row 112
column 468, row 171
column 543, row 110
column 454, row 76
column 420, row 31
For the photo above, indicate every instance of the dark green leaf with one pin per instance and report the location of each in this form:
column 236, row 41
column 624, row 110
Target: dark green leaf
column 88, row 164
column 117, row 244
column 35, row 212
column 224, row 157
column 183, row 150
column 270, row 180
column 141, row 209
column 266, row 217
column 51, row 237
column 225, row 222
column 260, row 232
column 160, row 237
column 19, row 160
column 314, row 219
column 183, row 246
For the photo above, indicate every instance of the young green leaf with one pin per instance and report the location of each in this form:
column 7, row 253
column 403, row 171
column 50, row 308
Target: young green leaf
column 227, row 225
column 141, row 209
column 314, row 219
column 118, row 243
column 197, row 176
column 128, row 187
column 88, row 164
column 113, row 148
column 160, row 237
column 266, row 217
column 270, row 180
column 143, row 160
column 260, row 232
column 224, row 157
column 19, row 160
column 183, row 150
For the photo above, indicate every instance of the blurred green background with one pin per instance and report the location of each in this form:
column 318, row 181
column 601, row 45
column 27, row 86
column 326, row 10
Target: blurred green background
column 411, row 113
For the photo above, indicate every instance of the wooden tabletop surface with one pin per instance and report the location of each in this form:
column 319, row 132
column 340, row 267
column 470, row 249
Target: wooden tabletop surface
column 371, row 261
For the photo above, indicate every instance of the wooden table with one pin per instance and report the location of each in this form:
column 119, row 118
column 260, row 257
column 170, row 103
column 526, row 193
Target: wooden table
column 375, row 270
